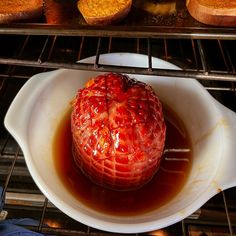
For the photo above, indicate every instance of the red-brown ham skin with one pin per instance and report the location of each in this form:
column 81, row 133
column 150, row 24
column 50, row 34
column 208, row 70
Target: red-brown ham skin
column 118, row 131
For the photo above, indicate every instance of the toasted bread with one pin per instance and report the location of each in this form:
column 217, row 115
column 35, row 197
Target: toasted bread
column 213, row 12
column 20, row 10
column 105, row 12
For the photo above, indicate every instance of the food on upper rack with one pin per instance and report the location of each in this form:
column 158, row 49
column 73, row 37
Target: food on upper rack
column 166, row 7
column 20, row 10
column 118, row 131
column 105, row 12
column 213, row 12
column 62, row 12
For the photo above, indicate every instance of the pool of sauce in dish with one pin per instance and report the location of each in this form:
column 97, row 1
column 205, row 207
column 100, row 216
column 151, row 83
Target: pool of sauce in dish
column 167, row 182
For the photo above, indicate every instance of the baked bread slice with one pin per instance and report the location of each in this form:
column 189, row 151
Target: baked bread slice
column 20, row 10
column 213, row 12
column 104, row 12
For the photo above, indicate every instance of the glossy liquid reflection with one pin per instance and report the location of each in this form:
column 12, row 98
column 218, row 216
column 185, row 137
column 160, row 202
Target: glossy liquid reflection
column 167, row 182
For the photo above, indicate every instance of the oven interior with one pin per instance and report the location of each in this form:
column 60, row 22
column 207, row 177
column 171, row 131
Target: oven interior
column 204, row 53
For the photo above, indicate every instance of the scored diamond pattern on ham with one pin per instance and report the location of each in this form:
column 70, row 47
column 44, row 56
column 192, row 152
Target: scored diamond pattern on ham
column 118, row 131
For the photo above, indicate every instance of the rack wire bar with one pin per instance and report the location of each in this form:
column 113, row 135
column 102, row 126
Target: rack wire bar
column 198, row 32
column 43, row 215
column 188, row 74
column 205, row 66
column 40, row 59
column 96, row 63
column 149, row 51
column 9, row 174
column 227, row 214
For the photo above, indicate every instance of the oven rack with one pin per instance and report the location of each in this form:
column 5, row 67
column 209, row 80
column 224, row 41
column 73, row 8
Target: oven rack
column 211, row 61
column 186, row 30
column 193, row 52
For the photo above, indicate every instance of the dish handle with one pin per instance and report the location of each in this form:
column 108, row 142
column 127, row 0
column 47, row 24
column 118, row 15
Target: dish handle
column 226, row 175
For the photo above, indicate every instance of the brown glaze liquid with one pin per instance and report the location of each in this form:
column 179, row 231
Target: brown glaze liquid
column 167, row 182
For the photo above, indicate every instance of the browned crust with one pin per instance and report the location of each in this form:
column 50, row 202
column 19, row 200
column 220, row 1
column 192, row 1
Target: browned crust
column 221, row 13
column 97, row 18
column 218, row 4
column 20, row 11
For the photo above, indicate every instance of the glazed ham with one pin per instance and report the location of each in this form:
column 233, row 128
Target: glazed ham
column 118, row 131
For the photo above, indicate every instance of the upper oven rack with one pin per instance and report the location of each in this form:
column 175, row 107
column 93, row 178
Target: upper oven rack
column 200, row 68
column 194, row 31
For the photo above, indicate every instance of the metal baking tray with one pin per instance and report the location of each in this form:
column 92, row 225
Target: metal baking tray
column 63, row 18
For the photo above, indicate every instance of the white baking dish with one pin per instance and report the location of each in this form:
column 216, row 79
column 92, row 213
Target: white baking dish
column 36, row 111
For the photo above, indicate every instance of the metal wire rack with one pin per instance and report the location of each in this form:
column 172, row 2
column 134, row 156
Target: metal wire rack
column 194, row 53
column 211, row 61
